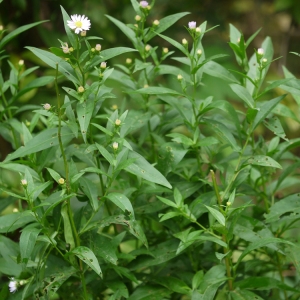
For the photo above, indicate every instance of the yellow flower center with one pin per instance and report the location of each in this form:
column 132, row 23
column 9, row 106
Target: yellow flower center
column 78, row 24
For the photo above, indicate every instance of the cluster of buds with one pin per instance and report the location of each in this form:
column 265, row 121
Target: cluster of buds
column 65, row 48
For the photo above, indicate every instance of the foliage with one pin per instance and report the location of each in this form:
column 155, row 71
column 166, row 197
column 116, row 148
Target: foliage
column 172, row 195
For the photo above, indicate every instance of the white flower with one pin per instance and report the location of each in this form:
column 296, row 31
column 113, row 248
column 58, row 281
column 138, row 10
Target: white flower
column 115, row 145
column 24, row 182
column 144, row 4
column 79, row 23
column 260, row 51
column 13, row 285
column 65, row 48
column 98, row 47
column 103, row 65
column 47, row 106
column 192, row 25
column 179, row 77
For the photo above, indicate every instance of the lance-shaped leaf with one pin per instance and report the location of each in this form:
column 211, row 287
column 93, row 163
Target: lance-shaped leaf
column 217, row 215
column 84, row 114
column 27, row 242
column 262, row 160
column 121, row 201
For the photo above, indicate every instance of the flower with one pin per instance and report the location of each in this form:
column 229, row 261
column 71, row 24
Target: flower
column 15, row 210
column 118, row 122
column 21, row 62
column 184, row 42
column 137, row 18
column 80, row 89
column 79, row 23
column 24, row 182
column 65, row 48
column 47, row 106
column 198, row 30
column 165, row 50
column 144, row 4
column 179, row 77
column 61, row 181
column 199, row 52
column 13, row 285
column 260, row 51
column 192, row 25
column 115, row 145
column 264, row 60
column 128, row 61
column 98, row 47
column 103, row 65
column 155, row 22
column 147, row 48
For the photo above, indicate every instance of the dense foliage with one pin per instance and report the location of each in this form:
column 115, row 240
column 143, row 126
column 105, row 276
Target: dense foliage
column 139, row 182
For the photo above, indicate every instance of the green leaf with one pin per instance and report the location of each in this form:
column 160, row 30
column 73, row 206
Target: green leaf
column 169, row 215
column 262, row 160
column 103, row 247
column 70, row 33
column 174, row 284
column 88, row 257
column 216, row 70
column 91, row 191
column 150, row 292
column 121, row 201
column 54, row 174
column 11, row 222
column 17, row 31
column 197, row 278
column 105, row 154
column 243, row 94
column 239, row 294
column 141, row 168
column 175, row 44
column 181, row 138
column 84, row 114
column 153, row 90
column 260, row 244
column 52, row 60
column 164, row 24
column 288, row 204
column 27, row 242
column 46, row 139
column 125, row 29
column 217, row 215
column 264, row 110
column 68, row 233
column 275, row 126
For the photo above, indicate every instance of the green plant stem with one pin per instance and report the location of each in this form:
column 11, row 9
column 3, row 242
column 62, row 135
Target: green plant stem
column 70, row 213
column 224, row 237
column 280, row 274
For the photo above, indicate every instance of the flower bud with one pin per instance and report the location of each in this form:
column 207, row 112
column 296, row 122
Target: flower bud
column 147, row 48
column 47, row 106
column 155, row 22
column 144, row 4
column 260, row 51
column 61, row 181
column 128, row 61
column 65, row 48
column 118, row 122
column 199, row 52
column 228, row 203
column 98, row 47
column 184, row 42
column 146, row 86
column 15, row 210
column 93, row 50
column 21, row 62
column 198, row 30
column 1, row 27
column 192, row 25
column 179, row 77
column 114, row 107
column 103, row 65
column 71, row 49
column 264, row 60
column 137, row 18
column 80, row 89
column 165, row 50
column 115, row 145
column 24, row 182
column 83, row 33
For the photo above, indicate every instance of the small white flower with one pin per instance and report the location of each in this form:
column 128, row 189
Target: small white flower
column 199, row 52
column 118, row 122
column 13, row 285
column 47, row 106
column 264, row 60
column 165, row 50
column 260, row 51
column 192, row 25
column 115, row 145
column 21, row 62
column 103, row 65
column 65, row 48
column 79, row 23
column 184, row 41
column 198, row 30
column 24, row 182
column 179, row 77
column 138, row 18
column 147, row 48
column 155, row 22
column 98, row 47
column 144, row 4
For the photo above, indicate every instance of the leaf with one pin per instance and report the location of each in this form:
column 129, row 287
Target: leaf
column 175, row 44
column 174, row 284
column 17, row 31
column 262, row 160
column 121, row 201
column 260, row 244
column 90, row 189
column 54, row 174
column 150, row 292
column 216, row 70
column 239, row 294
column 275, row 126
column 152, row 90
column 70, row 33
column 181, row 138
column 103, row 247
column 88, row 257
column 27, row 242
column 164, row 24
column 141, row 168
column 217, row 215
column 11, row 222
column 264, row 110
column 68, row 233
column 105, row 154
column 243, row 94
column 84, row 114
column 288, row 204
column 52, row 60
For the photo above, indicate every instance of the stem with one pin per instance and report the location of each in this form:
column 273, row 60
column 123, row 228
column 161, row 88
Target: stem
column 280, row 273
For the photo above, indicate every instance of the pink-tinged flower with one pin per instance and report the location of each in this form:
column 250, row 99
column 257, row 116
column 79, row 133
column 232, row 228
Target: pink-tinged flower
column 144, row 4
column 192, row 25
column 79, row 23
column 13, row 285
column 260, row 51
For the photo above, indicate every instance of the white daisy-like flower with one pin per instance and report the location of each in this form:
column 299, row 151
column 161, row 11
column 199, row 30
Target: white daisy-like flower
column 79, row 23
column 13, row 285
